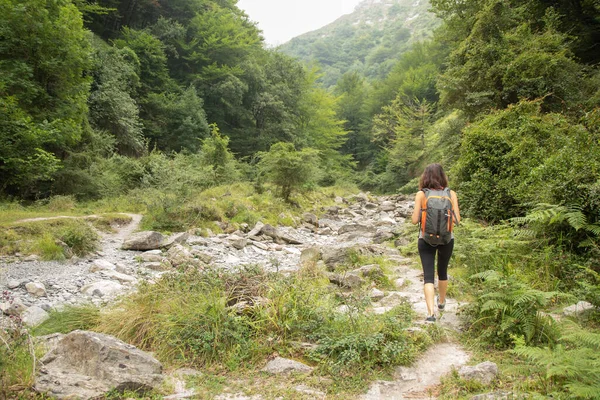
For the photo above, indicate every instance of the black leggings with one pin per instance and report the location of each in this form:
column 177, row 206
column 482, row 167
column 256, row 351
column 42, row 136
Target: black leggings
column 427, row 253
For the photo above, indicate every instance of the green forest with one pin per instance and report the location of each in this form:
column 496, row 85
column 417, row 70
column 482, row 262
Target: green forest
column 141, row 105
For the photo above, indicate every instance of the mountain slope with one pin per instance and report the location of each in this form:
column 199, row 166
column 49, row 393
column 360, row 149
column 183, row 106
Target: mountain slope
column 368, row 41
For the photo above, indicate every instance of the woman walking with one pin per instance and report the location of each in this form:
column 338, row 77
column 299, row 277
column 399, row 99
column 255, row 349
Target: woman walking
column 436, row 209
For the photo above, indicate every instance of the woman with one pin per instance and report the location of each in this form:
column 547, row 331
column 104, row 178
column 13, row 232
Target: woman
column 434, row 178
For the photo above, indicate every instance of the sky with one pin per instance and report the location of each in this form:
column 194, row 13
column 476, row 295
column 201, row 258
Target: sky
column 281, row 20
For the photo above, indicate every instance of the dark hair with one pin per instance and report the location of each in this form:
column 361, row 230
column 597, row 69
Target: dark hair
column 433, row 177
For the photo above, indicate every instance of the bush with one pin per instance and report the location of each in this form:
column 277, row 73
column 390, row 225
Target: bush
column 289, row 169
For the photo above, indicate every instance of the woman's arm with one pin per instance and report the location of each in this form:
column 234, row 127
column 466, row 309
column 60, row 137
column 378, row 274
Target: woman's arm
column 416, row 215
column 454, row 199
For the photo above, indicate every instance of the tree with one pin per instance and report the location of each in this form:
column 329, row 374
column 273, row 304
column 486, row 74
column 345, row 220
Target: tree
column 288, row 168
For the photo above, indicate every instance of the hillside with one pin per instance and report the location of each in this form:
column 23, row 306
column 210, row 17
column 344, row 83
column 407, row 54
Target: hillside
column 368, row 41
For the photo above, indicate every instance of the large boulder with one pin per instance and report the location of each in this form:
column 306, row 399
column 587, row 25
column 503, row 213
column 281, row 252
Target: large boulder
column 147, row 240
column 86, row 365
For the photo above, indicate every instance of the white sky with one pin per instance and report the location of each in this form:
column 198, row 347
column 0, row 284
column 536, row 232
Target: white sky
column 281, row 20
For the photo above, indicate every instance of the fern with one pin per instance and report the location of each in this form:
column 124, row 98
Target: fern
column 572, row 366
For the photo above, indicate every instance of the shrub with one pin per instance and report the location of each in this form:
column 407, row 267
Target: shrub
column 288, row 168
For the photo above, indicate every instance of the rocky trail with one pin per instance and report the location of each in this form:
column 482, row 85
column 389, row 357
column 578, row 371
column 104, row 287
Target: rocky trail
column 361, row 223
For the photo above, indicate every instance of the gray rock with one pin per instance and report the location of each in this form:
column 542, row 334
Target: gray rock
column 351, row 228
column 151, row 256
column 497, row 395
column 13, row 284
column 238, row 242
column 260, row 245
column 285, row 366
column 340, row 200
column 179, row 255
column 14, row 307
column 158, row 266
column 34, row 316
column 36, row 288
column 146, row 240
column 371, row 206
column 484, row 372
column 402, row 241
column 382, row 236
column 376, row 294
column 102, row 265
column 257, row 229
column 102, row 288
column 388, row 206
column 86, row 365
column 310, row 255
column 180, row 237
column 372, row 271
column 311, row 219
column 578, row 308
column 117, row 276
column 314, row 393
column 348, row 280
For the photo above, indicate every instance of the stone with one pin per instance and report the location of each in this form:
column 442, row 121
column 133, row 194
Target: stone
column 34, row 315
column 179, row 238
column 86, row 365
column 147, row 240
column 13, row 284
column 362, row 197
column 238, row 242
column 333, row 210
column 102, row 288
column 348, row 280
column 310, row 218
column 578, row 308
column 179, row 255
column 356, row 228
column 102, row 265
column 382, row 236
column 372, row 271
column 123, row 278
column 32, row 258
column 36, row 288
column 281, row 365
column 158, row 266
column 497, row 395
column 150, row 256
column 388, row 206
column 314, row 393
column 339, row 200
column 484, row 372
column 257, row 229
column 371, row 206
column 399, row 282
column 310, row 255
column 260, row 245
column 376, row 294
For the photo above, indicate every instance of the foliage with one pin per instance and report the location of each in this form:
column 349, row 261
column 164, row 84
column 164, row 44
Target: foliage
column 572, row 366
column 288, row 168
column 505, row 308
column 521, row 155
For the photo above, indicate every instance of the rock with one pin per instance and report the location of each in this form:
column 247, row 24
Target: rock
column 238, row 242
column 86, row 365
column 231, row 259
column 276, row 235
column 340, row 200
column 260, row 245
column 362, row 197
column 179, row 238
column 102, row 265
column 117, row 276
column 151, row 256
column 388, row 206
column 13, row 284
column 399, row 282
column 285, row 366
column 356, row 228
column 314, row 393
column 371, row 271
column 371, row 206
column 36, row 288
column 497, row 395
column 257, row 229
column 393, row 299
column 102, row 288
column 578, row 308
column 311, row 219
column 14, row 307
column 310, row 255
column 376, row 294
column 348, row 280
column 34, row 315
column 402, row 241
column 32, row 258
column 146, row 240
column 382, row 236
column 179, row 255
column 333, row 210
column 483, row 373
column 158, row 266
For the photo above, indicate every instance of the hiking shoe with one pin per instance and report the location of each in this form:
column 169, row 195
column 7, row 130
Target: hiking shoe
column 430, row 319
column 441, row 306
